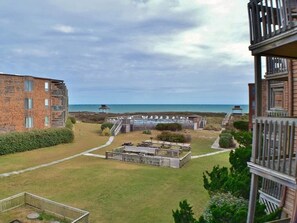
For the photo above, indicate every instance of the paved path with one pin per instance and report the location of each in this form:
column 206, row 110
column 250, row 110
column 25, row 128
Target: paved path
column 210, row 154
column 110, row 140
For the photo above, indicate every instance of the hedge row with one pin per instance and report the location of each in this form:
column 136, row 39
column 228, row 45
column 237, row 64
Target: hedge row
column 174, row 137
column 169, row 127
column 25, row 141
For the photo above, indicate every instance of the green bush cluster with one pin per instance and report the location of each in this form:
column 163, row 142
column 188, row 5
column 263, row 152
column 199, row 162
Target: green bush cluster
column 106, row 132
column 148, row 132
column 106, row 125
column 25, row 141
column 173, row 137
column 69, row 124
column 73, row 119
column 244, row 138
column 226, row 140
column 169, row 127
column 241, row 125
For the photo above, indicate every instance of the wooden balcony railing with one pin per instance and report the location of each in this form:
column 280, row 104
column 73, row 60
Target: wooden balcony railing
column 277, row 113
column 269, row 18
column 273, row 144
column 276, row 66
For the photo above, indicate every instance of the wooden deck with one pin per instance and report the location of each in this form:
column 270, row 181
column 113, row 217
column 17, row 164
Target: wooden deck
column 273, row 27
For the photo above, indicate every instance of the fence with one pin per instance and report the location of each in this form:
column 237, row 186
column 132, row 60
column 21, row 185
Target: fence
column 150, row 160
column 59, row 210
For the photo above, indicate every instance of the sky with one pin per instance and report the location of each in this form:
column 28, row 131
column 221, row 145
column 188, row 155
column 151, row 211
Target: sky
column 131, row 51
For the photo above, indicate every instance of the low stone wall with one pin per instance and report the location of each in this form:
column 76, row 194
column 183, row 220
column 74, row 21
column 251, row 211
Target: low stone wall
column 150, row 160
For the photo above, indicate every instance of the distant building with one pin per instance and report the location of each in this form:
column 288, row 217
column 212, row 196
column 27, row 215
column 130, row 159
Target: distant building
column 104, row 109
column 28, row 102
column 237, row 110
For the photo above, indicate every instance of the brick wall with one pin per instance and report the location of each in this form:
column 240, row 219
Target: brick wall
column 12, row 103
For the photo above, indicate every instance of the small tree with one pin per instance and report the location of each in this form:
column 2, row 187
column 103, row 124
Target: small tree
column 106, row 132
column 185, row 214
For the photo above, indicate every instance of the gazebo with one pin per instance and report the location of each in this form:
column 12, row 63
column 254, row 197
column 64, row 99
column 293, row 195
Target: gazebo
column 104, row 108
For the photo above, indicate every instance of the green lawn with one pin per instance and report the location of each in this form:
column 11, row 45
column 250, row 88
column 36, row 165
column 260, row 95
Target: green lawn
column 86, row 137
column 117, row 192
column 200, row 144
column 114, row 191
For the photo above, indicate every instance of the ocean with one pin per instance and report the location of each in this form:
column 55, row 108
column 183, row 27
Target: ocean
column 129, row 108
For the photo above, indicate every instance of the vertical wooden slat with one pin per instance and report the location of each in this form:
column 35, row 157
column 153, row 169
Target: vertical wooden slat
column 274, row 145
column 285, row 147
column 291, row 148
column 255, row 151
column 272, row 17
column 258, row 22
column 278, row 16
column 253, row 198
column 260, row 140
column 280, row 138
column 263, row 12
column 269, row 143
column 264, row 143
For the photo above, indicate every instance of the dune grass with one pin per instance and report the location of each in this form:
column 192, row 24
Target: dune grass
column 86, row 137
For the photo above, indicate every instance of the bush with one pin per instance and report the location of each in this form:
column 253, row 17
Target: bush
column 173, row 137
column 241, row 125
column 69, row 124
column 148, row 132
column 106, row 125
column 244, row 138
column 35, row 139
column 225, row 208
column 106, row 132
column 226, row 140
column 169, row 127
column 185, row 214
column 236, row 180
column 73, row 120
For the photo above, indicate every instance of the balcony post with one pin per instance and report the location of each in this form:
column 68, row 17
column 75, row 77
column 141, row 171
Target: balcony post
column 258, row 85
column 253, row 198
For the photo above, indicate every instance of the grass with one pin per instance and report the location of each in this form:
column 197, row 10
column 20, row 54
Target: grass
column 86, row 137
column 200, row 144
column 118, row 192
column 112, row 191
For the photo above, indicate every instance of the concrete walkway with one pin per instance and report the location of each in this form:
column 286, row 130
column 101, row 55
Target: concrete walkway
column 110, row 140
column 210, row 154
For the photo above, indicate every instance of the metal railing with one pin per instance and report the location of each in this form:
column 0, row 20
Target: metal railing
column 268, row 18
column 273, row 144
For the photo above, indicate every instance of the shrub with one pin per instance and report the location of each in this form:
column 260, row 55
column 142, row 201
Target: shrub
column 173, row 137
column 106, row 125
column 73, row 119
column 241, row 125
column 169, row 127
column 244, row 138
column 25, row 141
column 236, row 180
column 185, row 214
column 225, row 208
column 69, row 124
column 226, row 140
column 148, row 132
column 106, row 132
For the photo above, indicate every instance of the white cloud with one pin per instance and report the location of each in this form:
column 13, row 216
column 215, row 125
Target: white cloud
column 63, row 29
